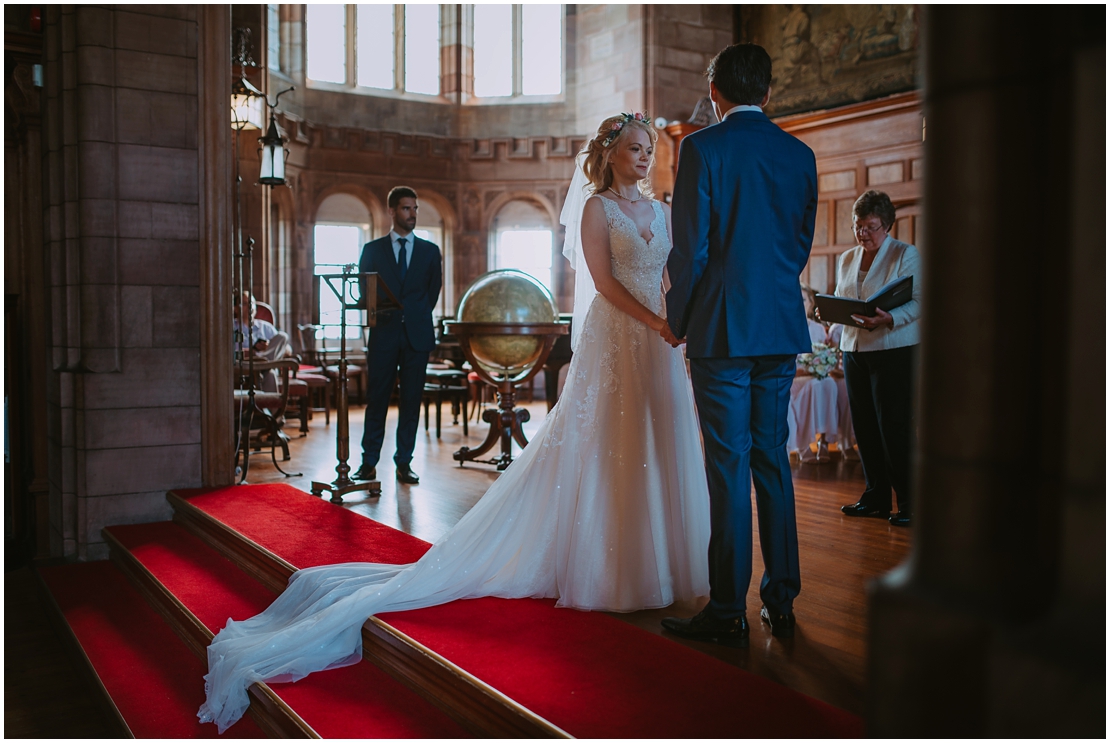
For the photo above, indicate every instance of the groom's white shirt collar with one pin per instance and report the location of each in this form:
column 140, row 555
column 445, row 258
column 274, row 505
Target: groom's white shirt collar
column 737, row 109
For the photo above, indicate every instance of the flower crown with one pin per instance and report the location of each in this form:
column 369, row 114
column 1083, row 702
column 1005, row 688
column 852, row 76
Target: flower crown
column 616, row 126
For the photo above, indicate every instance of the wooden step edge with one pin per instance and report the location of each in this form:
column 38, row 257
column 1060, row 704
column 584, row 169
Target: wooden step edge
column 73, row 647
column 276, row 718
column 254, row 559
column 474, row 704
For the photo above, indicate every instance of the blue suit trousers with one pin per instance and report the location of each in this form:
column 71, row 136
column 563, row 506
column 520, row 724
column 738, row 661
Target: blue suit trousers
column 742, row 406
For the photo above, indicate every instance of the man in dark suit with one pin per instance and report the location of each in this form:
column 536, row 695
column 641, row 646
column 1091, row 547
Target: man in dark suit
column 402, row 340
column 745, row 201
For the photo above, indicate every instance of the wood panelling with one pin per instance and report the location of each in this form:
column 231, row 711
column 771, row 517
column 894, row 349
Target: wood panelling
column 844, row 221
column 868, row 145
column 821, row 229
column 878, row 175
column 844, row 180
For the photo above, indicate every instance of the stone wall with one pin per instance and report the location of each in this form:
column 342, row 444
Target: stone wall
column 121, row 224
column 610, row 69
column 683, row 40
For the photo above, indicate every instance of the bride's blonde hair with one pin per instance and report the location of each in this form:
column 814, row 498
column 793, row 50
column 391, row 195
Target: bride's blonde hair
column 598, row 151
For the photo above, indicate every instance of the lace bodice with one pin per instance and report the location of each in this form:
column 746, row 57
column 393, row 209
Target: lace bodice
column 636, row 264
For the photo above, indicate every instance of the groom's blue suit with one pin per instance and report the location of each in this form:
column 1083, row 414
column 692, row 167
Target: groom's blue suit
column 745, row 201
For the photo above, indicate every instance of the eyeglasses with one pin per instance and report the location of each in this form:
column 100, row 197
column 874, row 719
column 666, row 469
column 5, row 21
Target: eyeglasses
column 860, row 230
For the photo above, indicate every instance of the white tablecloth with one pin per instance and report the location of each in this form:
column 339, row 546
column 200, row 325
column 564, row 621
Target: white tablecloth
column 819, row 406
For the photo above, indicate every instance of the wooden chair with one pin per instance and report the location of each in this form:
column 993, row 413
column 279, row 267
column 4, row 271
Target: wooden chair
column 263, row 311
column 311, row 371
column 328, row 359
column 262, row 427
column 450, row 385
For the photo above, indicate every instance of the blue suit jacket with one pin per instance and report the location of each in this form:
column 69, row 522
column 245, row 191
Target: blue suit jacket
column 745, row 201
column 418, row 295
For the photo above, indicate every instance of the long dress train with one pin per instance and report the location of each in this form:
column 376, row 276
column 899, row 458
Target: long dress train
column 607, row 508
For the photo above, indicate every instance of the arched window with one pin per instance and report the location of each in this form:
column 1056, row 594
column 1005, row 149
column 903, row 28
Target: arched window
column 385, row 47
column 522, row 239
column 342, row 227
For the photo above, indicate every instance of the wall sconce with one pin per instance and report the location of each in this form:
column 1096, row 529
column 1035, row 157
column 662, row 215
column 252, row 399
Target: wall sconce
column 273, row 153
column 246, row 100
column 272, row 150
column 246, row 105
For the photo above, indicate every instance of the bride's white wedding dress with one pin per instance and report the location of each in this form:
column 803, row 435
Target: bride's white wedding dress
column 607, row 508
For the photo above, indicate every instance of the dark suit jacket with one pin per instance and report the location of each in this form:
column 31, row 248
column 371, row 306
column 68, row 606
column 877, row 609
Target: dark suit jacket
column 418, row 295
column 745, row 201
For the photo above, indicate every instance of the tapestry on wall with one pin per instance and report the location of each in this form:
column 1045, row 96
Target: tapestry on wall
column 831, row 55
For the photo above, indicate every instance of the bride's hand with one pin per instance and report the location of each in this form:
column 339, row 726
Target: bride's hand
column 670, row 337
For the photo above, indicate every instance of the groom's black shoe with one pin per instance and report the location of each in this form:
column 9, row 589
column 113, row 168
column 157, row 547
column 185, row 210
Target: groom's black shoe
column 708, row 628
column 782, row 625
column 407, row 476
column 902, row 518
column 862, row 509
column 365, row 473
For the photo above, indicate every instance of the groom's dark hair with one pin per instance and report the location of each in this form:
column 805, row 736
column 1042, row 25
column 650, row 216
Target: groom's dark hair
column 742, row 73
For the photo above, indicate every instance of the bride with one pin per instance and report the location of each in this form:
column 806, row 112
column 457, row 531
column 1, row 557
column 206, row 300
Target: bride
column 606, row 509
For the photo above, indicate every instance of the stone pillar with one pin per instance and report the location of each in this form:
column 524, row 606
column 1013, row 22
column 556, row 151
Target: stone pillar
column 995, row 627
column 121, row 209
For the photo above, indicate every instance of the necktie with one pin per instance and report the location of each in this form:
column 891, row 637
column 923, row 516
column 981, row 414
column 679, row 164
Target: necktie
column 402, row 259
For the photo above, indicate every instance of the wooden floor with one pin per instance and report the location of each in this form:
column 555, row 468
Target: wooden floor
column 826, row 659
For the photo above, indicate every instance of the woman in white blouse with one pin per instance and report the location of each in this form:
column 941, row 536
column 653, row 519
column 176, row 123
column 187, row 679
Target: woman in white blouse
column 880, row 359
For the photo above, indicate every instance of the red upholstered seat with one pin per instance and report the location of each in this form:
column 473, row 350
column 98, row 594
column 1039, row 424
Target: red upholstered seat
column 268, row 401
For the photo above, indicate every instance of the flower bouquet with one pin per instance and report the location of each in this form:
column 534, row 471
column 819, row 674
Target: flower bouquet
column 819, row 363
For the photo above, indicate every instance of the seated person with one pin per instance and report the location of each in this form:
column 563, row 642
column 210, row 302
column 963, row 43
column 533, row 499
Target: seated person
column 269, row 343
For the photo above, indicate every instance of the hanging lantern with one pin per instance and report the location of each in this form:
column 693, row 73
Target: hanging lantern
column 273, row 154
column 246, row 105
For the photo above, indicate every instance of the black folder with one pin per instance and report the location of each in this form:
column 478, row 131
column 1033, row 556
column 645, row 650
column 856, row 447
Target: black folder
column 841, row 309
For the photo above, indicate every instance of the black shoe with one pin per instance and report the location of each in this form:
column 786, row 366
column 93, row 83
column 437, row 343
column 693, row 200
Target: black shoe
column 365, row 473
column 862, row 509
column 782, row 625
column 902, row 518
column 407, row 476
column 708, row 628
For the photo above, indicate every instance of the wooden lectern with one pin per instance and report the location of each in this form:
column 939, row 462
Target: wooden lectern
column 355, row 291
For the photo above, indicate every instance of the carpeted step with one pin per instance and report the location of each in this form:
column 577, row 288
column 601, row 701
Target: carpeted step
column 141, row 665
column 583, row 672
column 199, row 590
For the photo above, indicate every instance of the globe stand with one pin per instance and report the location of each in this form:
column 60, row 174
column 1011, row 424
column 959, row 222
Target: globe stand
column 506, row 422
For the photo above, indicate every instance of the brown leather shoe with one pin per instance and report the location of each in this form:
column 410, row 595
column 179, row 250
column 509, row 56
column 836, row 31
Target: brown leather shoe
column 708, row 628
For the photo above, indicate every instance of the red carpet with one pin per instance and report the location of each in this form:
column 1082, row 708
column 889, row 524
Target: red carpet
column 592, row 675
column 359, row 701
column 147, row 670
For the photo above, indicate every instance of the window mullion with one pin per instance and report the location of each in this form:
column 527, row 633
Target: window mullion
column 399, row 47
column 352, row 45
column 518, row 50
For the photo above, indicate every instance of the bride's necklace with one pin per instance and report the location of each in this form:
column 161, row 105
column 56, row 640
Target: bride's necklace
column 618, row 194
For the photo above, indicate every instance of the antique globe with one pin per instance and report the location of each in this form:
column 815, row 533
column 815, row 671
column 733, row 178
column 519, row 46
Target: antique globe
column 506, row 297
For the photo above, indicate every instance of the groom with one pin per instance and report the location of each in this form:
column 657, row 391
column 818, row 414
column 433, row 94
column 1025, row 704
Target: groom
column 745, row 200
